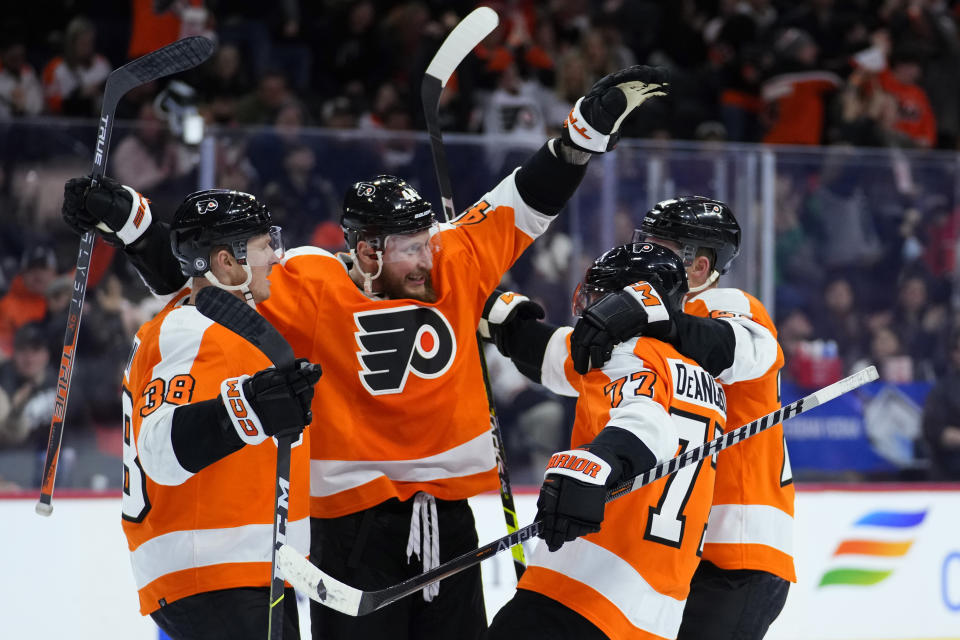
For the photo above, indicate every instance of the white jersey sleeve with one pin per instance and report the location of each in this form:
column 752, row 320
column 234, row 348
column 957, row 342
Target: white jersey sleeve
column 756, row 348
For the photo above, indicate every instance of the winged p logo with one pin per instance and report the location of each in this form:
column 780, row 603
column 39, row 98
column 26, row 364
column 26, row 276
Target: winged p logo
column 395, row 342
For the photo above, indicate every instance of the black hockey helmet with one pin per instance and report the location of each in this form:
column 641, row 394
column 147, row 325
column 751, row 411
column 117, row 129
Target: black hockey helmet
column 386, row 205
column 215, row 217
column 694, row 222
column 630, row 263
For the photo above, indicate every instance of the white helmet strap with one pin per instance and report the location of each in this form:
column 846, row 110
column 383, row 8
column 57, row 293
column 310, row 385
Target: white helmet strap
column 709, row 281
column 367, row 278
column 244, row 287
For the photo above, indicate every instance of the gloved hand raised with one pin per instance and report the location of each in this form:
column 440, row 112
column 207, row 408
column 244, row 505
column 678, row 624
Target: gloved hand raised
column 637, row 309
column 573, row 493
column 121, row 209
column 272, row 401
column 594, row 122
column 502, row 311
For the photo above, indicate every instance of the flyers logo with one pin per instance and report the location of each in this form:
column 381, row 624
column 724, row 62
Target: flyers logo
column 206, row 206
column 395, row 342
column 365, row 190
column 477, row 213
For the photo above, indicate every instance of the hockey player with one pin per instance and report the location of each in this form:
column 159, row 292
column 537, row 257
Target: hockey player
column 200, row 406
column 405, row 439
column 629, row 577
column 742, row 582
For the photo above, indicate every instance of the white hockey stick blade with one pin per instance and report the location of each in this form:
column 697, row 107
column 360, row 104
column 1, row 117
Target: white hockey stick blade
column 465, row 36
column 841, row 387
column 308, row 579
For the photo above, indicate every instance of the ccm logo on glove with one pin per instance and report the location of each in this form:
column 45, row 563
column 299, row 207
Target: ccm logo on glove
column 244, row 420
column 579, row 464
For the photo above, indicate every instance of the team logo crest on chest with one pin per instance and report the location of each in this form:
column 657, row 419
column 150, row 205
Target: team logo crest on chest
column 395, row 342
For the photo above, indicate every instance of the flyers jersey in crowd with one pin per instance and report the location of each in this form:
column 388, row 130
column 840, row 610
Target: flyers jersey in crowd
column 751, row 522
column 632, row 578
column 401, row 407
column 190, row 533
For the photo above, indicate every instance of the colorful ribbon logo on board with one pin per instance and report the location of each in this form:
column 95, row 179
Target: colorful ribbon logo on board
column 880, row 539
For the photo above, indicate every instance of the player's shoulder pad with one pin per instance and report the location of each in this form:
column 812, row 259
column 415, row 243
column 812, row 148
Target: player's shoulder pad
column 297, row 252
column 633, row 354
column 725, row 299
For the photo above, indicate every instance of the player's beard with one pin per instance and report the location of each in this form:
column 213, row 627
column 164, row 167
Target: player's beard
column 397, row 286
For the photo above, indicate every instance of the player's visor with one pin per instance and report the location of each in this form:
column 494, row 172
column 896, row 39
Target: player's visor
column 585, row 295
column 418, row 247
column 266, row 248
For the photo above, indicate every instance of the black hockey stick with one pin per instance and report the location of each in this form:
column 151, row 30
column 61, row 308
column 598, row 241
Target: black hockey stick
column 173, row 58
column 330, row 592
column 233, row 313
column 461, row 41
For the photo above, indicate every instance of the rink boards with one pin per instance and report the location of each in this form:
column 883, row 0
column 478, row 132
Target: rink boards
column 873, row 562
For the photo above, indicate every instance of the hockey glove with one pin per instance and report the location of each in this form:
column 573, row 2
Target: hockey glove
column 503, row 313
column 574, row 493
column 635, row 310
column 594, row 122
column 122, row 210
column 272, row 401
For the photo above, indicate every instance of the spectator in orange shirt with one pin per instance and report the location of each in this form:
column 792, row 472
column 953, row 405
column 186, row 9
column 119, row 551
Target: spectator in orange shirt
column 795, row 95
column 26, row 301
column 914, row 121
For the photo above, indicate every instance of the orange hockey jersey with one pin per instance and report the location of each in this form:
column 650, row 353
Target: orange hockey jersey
column 190, row 533
column 751, row 522
column 401, row 406
column 632, row 578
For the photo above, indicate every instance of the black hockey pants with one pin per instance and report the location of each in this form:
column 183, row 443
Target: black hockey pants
column 731, row 605
column 367, row 550
column 533, row 616
column 227, row 614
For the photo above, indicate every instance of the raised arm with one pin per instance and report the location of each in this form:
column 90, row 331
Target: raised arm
column 131, row 227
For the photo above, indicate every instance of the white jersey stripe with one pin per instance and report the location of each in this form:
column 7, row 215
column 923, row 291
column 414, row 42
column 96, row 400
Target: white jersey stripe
column 617, row 581
column 552, row 373
column 330, row 477
column 640, row 415
column 179, row 550
column 179, row 342
column 750, row 524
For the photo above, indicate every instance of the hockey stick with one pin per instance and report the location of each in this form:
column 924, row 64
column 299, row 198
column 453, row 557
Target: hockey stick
column 173, row 58
column 461, row 41
column 332, row 593
column 233, row 313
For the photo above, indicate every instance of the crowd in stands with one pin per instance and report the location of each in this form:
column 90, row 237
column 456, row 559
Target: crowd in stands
column 866, row 254
column 863, row 72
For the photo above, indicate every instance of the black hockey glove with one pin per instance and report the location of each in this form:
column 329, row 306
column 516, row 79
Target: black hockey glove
column 635, row 310
column 272, row 401
column 506, row 312
column 594, row 122
column 121, row 209
column 574, row 492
